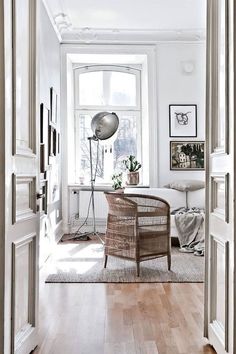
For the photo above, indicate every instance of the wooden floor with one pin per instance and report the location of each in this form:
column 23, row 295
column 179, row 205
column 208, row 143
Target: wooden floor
column 121, row 319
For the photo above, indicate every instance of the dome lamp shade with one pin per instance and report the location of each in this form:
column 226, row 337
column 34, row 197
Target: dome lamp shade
column 104, row 125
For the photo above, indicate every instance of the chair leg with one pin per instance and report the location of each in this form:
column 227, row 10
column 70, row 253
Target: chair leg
column 169, row 261
column 105, row 261
column 137, row 269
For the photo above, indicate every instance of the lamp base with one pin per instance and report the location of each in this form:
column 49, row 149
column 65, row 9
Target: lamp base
column 82, row 237
column 86, row 236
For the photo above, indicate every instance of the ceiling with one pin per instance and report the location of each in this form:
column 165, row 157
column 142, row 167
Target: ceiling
column 122, row 16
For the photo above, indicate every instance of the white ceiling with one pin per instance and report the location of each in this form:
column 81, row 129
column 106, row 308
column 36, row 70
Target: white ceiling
column 127, row 15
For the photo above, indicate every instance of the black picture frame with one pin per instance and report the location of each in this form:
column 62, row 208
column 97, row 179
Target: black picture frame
column 44, row 141
column 45, row 198
column 192, row 160
column 183, row 120
column 58, row 143
column 52, row 141
column 53, row 106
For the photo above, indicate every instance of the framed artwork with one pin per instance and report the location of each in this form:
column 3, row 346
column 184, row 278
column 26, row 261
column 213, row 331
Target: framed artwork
column 44, row 121
column 43, row 202
column 52, row 141
column 58, row 143
column 187, row 155
column 43, row 159
column 45, row 199
column 53, row 105
column 183, row 120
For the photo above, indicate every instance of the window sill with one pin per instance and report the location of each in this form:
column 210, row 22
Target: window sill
column 101, row 187
column 84, row 187
column 137, row 186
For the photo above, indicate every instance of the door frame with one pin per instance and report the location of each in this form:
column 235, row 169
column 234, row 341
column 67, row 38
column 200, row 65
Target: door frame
column 7, row 154
column 2, row 176
column 207, row 159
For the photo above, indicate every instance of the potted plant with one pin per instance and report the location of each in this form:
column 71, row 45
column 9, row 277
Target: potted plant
column 132, row 165
column 117, row 181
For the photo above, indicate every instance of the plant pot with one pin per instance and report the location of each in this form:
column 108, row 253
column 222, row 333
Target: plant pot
column 119, row 190
column 133, row 178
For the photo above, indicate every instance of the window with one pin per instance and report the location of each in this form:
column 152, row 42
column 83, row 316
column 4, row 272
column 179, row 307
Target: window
column 114, row 89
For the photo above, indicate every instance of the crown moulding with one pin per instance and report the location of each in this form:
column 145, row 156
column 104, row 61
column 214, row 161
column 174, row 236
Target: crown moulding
column 62, row 23
column 88, row 35
column 67, row 33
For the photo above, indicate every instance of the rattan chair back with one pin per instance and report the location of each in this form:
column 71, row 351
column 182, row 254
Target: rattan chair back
column 138, row 227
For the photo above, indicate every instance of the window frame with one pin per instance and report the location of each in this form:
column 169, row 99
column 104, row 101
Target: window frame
column 93, row 109
column 117, row 68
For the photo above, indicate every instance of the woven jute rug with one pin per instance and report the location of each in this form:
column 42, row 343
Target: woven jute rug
column 82, row 262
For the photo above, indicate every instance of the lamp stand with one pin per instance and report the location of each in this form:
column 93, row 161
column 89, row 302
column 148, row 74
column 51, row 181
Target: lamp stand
column 85, row 236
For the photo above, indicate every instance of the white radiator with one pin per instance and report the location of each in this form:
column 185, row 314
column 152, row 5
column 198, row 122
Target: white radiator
column 101, row 208
column 78, row 209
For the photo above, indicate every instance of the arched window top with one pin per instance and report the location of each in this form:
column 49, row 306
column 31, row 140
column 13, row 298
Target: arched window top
column 113, row 86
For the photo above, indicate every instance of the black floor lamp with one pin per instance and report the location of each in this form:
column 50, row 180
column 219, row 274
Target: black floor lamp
column 103, row 125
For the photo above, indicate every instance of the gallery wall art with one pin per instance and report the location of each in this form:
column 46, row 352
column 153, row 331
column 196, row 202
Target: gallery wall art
column 53, row 105
column 183, row 120
column 187, row 155
column 44, row 121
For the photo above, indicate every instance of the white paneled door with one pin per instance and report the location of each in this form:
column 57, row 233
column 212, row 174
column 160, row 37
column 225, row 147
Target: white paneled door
column 21, row 177
column 220, row 287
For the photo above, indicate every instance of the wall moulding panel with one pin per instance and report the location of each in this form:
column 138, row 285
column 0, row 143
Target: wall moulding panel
column 219, row 313
column 220, row 196
column 23, row 289
column 24, row 197
column 24, row 78
column 220, row 81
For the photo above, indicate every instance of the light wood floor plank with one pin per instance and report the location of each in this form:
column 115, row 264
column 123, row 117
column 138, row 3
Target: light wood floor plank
column 121, row 319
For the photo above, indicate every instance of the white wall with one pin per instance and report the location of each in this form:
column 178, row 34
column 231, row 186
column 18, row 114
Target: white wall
column 169, row 84
column 174, row 86
column 49, row 62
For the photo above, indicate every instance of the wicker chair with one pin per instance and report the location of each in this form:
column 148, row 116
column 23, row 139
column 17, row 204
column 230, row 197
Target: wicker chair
column 138, row 228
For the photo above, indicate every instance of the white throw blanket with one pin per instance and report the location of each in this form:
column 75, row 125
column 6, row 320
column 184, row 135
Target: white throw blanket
column 189, row 224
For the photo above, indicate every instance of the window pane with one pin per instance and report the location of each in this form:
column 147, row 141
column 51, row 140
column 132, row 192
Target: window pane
column 84, row 154
column 126, row 142
column 91, row 88
column 111, row 152
column 122, row 89
column 107, row 88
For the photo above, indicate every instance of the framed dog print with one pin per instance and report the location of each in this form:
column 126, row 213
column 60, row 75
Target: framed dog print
column 183, row 120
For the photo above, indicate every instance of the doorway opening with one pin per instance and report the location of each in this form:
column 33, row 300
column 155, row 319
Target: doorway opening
column 163, row 89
